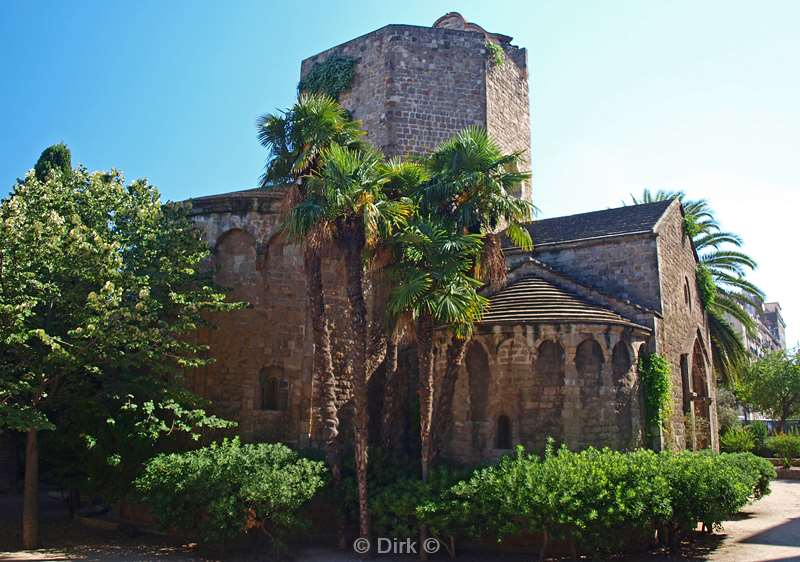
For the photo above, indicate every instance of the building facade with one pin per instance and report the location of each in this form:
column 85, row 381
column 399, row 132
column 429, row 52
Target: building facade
column 556, row 355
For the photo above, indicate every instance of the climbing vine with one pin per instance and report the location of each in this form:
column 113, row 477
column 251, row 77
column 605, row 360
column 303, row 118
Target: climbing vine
column 497, row 56
column 656, row 383
column 331, row 76
column 706, row 286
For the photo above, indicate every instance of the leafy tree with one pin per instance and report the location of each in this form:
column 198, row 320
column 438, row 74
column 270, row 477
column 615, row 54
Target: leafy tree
column 721, row 278
column 471, row 190
column 772, row 385
column 227, row 489
column 100, row 284
column 57, row 157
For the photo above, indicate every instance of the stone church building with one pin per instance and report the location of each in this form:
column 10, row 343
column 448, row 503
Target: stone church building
column 556, row 354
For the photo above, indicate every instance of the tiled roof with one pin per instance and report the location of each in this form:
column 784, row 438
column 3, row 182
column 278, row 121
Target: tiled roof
column 532, row 299
column 623, row 220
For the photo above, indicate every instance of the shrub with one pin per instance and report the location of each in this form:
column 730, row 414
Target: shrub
column 737, row 440
column 228, row 488
column 786, row 446
column 597, row 497
column 760, row 432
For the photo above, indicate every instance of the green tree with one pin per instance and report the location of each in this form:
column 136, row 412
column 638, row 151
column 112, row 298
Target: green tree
column 347, row 193
column 471, row 190
column 721, row 278
column 57, row 157
column 772, row 385
column 100, row 286
column 295, row 141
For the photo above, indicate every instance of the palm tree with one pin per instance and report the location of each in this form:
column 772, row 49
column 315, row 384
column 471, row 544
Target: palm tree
column 295, row 141
column 471, row 191
column 348, row 191
column 721, row 277
column 434, row 287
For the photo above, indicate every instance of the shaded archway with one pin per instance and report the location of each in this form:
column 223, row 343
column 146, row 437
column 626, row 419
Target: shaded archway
column 477, row 362
column 598, row 422
column 621, row 364
column 700, row 397
column 540, row 414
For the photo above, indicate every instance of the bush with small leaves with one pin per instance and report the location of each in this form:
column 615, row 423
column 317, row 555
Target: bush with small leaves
column 760, row 432
column 227, row 489
column 737, row 440
column 785, row 446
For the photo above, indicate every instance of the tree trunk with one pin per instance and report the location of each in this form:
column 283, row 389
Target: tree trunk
column 443, row 412
column 390, row 397
column 355, row 292
column 425, row 362
column 30, row 506
column 323, row 369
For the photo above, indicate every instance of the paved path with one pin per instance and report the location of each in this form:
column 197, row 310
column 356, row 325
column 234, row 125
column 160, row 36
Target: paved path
column 767, row 531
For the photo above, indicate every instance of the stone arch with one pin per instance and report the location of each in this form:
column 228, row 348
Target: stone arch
column 589, row 360
column 478, row 369
column 549, row 365
column 477, row 362
column 235, row 259
column 621, row 364
column 700, row 396
column 503, row 433
column 273, row 390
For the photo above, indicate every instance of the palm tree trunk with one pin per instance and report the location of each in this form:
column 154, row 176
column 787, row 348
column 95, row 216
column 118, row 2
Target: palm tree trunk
column 355, row 293
column 425, row 362
column 323, row 368
column 443, row 412
column 30, row 505
column 390, row 397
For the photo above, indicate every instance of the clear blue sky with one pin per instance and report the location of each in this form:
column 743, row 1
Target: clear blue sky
column 700, row 96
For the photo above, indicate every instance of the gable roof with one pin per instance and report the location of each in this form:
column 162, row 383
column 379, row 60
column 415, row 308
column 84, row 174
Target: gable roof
column 633, row 219
column 531, row 299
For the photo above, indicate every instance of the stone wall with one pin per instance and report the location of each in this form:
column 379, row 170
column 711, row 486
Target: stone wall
column 683, row 326
column 414, row 87
column 623, row 266
column 574, row 383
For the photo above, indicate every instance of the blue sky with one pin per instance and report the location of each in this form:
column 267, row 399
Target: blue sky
column 699, row 96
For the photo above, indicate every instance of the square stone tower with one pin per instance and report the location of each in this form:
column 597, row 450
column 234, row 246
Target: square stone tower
column 414, row 87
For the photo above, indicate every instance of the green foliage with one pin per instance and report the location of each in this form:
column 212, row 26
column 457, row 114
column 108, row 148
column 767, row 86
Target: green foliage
column 656, row 378
column 496, row 54
column 331, row 77
column 594, row 495
column 706, row 286
column 224, row 490
column 760, row 432
column 55, row 157
column 786, row 446
column 737, row 440
column 727, row 411
column 772, row 385
column 100, row 285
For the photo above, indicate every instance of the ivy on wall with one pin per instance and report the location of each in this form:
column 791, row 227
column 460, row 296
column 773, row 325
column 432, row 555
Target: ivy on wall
column 655, row 375
column 497, row 56
column 706, row 286
column 331, row 76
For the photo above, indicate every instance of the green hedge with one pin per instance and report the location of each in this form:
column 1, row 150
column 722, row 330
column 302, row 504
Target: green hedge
column 228, row 488
column 785, row 446
column 594, row 497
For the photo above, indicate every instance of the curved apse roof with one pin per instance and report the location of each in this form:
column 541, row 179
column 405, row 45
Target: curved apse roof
column 534, row 300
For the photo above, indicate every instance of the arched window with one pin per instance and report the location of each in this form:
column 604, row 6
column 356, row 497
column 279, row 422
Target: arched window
column 687, row 293
column 274, row 391
column 503, row 433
